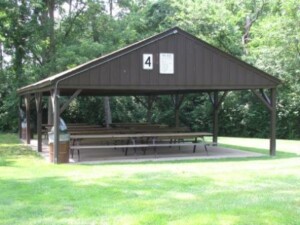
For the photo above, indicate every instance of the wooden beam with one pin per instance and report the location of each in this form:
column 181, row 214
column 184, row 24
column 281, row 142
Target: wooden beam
column 211, row 98
column 67, row 103
column 148, row 105
column 139, row 100
column 271, row 106
column 38, row 102
column 50, row 110
column 178, row 100
column 215, row 117
column 262, row 99
column 219, row 101
column 20, row 117
column 265, row 96
column 27, row 105
column 216, row 103
column 181, row 98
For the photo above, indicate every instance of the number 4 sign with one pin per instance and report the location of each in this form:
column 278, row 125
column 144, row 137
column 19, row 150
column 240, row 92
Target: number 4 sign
column 147, row 61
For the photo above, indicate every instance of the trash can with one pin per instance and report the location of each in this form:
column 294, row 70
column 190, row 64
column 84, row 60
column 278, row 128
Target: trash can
column 24, row 130
column 24, row 127
column 23, row 124
column 64, row 138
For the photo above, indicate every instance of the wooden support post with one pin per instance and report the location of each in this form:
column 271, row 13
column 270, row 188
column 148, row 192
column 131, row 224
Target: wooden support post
column 38, row 102
column 177, row 121
column 271, row 106
column 50, row 111
column 148, row 104
column 215, row 117
column 262, row 99
column 20, row 118
column 216, row 103
column 273, row 123
column 28, row 132
column 176, row 109
column 149, row 114
column 56, row 109
column 67, row 103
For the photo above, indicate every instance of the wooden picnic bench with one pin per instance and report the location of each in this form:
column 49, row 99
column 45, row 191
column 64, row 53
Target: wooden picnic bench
column 74, row 126
column 90, row 131
column 147, row 140
column 102, row 130
column 128, row 124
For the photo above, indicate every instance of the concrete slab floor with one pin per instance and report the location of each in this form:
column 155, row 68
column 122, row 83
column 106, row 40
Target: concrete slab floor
column 163, row 154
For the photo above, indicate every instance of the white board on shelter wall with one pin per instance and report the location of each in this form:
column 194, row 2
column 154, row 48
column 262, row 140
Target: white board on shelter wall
column 166, row 63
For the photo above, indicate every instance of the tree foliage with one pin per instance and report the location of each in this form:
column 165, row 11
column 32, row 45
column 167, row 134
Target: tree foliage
column 39, row 38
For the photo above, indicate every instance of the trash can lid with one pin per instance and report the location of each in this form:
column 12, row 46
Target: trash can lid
column 62, row 126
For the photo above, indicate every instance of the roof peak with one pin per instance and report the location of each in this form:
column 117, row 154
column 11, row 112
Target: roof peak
column 198, row 50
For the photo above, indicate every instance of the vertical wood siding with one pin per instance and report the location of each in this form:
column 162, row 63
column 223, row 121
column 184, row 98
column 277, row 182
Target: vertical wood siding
column 196, row 66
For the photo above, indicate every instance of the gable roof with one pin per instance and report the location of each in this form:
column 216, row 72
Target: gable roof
column 198, row 66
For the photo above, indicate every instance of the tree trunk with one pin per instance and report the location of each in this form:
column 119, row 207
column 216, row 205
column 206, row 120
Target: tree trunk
column 149, row 115
column 19, row 44
column 110, row 7
column 96, row 38
column 249, row 21
column 107, row 110
column 95, row 33
column 51, row 8
column 70, row 7
column 18, row 64
column 150, row 101
column 177, row 101
column 1, row 57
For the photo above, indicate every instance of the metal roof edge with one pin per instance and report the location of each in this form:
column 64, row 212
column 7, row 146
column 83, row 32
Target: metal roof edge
column 33, row 87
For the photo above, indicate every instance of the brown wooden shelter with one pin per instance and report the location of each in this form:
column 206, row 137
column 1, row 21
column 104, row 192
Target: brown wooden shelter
column 172, row 62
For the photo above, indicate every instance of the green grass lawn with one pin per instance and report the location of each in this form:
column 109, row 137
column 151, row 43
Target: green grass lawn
column 233, row 191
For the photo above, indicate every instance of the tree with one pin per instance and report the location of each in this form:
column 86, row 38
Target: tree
column 39, row 38
column 275, row 48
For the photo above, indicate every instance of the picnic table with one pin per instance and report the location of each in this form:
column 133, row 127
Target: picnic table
column 138, row 125
column 126, row 130
column 138, row 140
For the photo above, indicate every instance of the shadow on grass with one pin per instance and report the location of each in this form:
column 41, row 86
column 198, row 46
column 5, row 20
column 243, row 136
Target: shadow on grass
column 279, row 154
column 59, row 200
column 11, row 147
column 143, row 198
column 6, row 162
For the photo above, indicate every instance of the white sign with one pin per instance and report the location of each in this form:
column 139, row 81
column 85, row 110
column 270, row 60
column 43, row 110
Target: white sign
column 147, row 61
column 166, row 63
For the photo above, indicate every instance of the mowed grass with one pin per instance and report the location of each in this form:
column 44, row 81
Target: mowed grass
column 233, row 191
